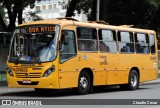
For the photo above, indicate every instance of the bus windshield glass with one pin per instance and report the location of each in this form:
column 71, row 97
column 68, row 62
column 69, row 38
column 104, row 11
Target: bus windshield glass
column 34, row 44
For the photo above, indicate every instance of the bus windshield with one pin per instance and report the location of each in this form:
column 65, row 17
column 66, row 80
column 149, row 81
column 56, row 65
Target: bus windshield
column 34, row 44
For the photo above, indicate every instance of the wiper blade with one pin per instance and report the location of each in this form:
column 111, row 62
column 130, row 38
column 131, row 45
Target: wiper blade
column 38, row 60
column 17, row 60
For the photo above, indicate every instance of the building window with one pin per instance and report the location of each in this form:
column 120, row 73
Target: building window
column 55, row 6
column 38, row 8
column 62, row 15
column 64, row 6
column 44, row 7
column 50, row 7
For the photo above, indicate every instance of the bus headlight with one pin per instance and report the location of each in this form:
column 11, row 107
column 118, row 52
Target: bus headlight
column 49, row 71
column 9, row 71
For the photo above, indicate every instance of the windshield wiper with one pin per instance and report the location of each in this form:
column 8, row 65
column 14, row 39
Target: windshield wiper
column 17, row 60
column 38, row 60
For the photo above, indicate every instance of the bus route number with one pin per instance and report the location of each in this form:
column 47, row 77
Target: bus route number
column 104, row 62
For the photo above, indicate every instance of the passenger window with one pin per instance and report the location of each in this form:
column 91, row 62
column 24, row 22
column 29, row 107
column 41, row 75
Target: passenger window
column 68, row 45
column 107, row 41
column 87, row 39
column 142, row 43
column 152, row 43
column 126, row 42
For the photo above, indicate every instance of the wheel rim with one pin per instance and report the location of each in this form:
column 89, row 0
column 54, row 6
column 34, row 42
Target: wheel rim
column 134, row 80
column 83, row 83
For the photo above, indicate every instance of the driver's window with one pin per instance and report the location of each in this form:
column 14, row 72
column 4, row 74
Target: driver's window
column 68, row 45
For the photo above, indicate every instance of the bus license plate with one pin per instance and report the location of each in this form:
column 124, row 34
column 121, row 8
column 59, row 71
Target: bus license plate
column 27, row 81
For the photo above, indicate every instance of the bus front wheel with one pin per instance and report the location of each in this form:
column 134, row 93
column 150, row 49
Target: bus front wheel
column 84, row 83
column 133, row 82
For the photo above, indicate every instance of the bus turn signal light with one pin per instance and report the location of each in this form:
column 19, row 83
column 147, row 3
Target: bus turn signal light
column 9, row 71
column 49, row 71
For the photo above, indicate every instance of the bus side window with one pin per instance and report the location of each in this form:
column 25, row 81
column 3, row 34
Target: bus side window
column 152, row 43
column 107, row 42
column 142, row 43
column 81, row 46
column 126, row 43
column 68, row 45
column 87, row 36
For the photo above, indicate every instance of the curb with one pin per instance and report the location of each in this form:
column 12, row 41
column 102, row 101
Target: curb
column 156, row 81
column 149, row 83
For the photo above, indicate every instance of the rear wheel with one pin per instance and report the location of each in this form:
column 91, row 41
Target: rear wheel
column 133, row 82
column 84, row 83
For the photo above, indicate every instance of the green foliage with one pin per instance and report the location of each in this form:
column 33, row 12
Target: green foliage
column 2, row 11
column 32, row 16
column 140, row 13
column 84, row 5
column 14, row 8
column 2, row 14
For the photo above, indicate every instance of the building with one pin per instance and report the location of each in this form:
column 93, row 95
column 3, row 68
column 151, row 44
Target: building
column 51, row 8
column 46, row 9
column 55, row 9
column 25, row 16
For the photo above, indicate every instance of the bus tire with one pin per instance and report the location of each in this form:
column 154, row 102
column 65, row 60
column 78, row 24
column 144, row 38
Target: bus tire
column 133, row 81
column 84, row 83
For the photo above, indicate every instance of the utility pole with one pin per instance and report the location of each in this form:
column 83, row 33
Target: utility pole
column 97, row 14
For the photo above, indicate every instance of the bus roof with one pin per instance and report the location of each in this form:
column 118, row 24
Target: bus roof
column 64, row 22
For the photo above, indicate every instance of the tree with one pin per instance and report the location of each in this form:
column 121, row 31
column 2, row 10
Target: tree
column 92, row 14
column 87, row 6
column 32, row 16
column 2, row 18
column 14, row 8
column 140, row 13
column 71, row 8
column 154, row 22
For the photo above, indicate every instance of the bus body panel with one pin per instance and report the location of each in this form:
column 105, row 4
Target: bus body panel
column 68, row 73
column 140, row 61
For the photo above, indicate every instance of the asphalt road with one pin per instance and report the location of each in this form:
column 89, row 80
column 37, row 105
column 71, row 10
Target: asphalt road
column 145, row 92
column 114, row 92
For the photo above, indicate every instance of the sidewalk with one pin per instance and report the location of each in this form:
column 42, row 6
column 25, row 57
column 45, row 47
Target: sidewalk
column 157, row 81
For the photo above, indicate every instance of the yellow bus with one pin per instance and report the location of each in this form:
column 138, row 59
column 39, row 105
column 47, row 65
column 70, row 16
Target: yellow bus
column 65, row 53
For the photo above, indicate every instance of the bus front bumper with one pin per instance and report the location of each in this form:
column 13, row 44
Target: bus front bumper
column 50, row 82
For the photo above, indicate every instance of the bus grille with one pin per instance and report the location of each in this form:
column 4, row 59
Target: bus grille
column 28, row 74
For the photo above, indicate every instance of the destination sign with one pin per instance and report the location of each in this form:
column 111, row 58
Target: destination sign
column 37, row 29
